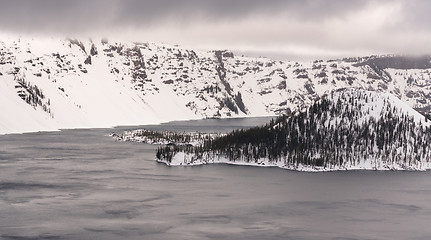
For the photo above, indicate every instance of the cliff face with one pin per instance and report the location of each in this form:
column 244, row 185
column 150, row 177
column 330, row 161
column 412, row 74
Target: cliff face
column 46, row 84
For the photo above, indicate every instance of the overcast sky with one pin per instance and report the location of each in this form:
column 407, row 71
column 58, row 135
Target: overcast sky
column 295, row 29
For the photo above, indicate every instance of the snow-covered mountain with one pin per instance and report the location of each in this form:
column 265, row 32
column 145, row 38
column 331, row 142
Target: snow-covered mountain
column 51, row 83
column 346, row 129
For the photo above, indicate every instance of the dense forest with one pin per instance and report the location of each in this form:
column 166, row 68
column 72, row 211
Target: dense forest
column 344, row 129
column 164, row 137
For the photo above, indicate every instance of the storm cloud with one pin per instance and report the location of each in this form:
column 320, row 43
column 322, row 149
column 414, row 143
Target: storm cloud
column 282, row 29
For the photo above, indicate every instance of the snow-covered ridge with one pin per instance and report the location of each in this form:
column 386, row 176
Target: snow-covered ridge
column 52, row 83
column 346, row 129
column 372, row 105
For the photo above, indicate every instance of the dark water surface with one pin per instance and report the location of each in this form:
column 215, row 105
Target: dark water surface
column 81, row 184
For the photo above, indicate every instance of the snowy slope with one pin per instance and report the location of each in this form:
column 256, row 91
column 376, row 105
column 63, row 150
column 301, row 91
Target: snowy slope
column 52, row 83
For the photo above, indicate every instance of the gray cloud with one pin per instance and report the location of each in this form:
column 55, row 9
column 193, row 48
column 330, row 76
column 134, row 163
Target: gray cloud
column 301, row 26
column 56, row 15
column 232, row 9
column 417, row 15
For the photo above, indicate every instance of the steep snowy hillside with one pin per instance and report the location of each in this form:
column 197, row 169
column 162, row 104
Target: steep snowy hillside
column 49, row 83
column 347, row 129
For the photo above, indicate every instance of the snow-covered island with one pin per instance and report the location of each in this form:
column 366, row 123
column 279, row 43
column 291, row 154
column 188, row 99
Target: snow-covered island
column 348, row 129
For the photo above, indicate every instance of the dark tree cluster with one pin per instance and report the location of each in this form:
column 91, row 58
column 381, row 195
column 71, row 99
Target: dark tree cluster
column 32, row 95
column 164, row 137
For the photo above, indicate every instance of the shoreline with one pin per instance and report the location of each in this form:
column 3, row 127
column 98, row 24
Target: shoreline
column 365, row 166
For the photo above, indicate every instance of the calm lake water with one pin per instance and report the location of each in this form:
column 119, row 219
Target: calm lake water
column 81, row 184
